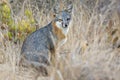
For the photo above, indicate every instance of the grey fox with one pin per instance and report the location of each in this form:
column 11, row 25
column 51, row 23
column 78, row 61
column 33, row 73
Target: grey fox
column 38, row 49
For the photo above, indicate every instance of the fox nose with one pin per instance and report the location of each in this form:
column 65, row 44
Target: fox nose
column 66, row 25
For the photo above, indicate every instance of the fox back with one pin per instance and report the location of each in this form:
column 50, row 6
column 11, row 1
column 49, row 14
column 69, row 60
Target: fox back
column 39, row 47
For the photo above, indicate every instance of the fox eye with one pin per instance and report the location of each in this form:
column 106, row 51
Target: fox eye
column 60, row 20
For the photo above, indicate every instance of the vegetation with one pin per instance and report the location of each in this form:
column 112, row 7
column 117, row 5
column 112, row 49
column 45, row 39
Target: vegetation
column 16, row 30
column 92, row 51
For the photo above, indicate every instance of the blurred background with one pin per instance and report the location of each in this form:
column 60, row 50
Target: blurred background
column 92, row 51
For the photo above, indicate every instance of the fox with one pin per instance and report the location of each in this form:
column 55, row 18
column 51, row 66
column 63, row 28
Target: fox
column 39, row 48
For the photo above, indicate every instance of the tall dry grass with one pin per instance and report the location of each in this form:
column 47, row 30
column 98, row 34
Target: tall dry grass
column 92, row 51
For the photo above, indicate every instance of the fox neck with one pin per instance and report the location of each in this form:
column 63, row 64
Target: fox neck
column 59, row 34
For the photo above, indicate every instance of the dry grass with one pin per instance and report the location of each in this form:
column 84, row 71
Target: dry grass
column 92, row 51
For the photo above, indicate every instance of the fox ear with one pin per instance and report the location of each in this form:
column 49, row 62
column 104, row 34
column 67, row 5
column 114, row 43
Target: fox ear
column 70, row 7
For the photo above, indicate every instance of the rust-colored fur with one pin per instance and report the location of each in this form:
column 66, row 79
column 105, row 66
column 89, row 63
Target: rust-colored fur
column 60, row 36
column 58, row 32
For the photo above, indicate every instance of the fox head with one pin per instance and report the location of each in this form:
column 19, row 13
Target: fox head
column 62, row 17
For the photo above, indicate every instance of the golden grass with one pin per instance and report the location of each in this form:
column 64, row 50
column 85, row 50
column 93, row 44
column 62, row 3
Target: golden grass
column 92, row 51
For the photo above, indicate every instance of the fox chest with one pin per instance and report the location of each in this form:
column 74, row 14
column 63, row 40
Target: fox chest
column 59, row 36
